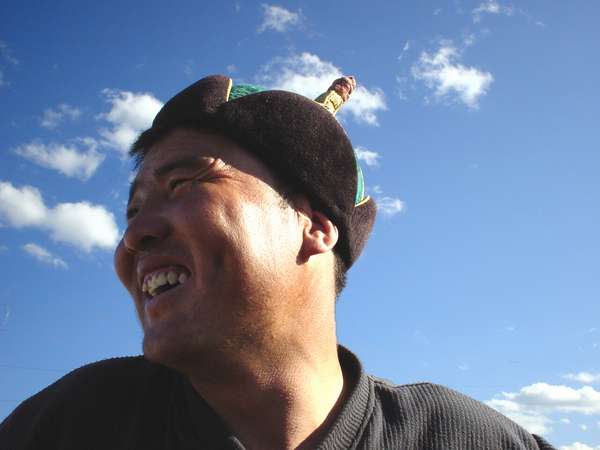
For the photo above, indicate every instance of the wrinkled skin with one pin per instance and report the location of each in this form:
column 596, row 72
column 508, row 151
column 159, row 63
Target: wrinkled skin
column 217, row 217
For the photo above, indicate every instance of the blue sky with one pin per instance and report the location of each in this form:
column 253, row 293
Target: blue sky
column 477, row 126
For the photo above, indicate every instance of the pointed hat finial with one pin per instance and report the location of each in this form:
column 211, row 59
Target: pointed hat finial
column 337, row 94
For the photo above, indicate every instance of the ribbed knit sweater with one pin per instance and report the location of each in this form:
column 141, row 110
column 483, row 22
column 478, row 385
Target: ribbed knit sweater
column 130, row 403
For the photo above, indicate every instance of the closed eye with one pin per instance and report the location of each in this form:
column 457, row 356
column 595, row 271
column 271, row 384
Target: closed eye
column 177, row 182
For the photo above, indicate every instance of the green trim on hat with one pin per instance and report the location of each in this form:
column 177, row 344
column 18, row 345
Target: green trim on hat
column 241, row 90
column 360, row 186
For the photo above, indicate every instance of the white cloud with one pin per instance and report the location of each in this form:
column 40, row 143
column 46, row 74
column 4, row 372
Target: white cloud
column 310, row 76
column 583, row 377
column 369, row 157
column 565, row 420
column 531, row 405
column 390, row 206
column 278, row 18
column 583, row 427
column 446, row 76
column 53, row 117
column 469, row 39
column 231, row 68
column 490, row 7
column 404, row 50
column 43, row 255
column 130, row 114
column 533, row 421
column 578, row 446
column 83, row 225
column 67, row 159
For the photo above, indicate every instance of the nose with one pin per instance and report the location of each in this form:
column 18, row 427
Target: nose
column 145, row 231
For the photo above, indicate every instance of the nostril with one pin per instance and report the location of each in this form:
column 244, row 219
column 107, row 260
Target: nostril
column 146, row 242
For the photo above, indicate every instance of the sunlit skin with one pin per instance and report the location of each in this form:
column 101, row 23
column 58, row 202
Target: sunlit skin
column 253, row 327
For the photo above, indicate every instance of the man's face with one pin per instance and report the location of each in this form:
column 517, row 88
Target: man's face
column 210, row 249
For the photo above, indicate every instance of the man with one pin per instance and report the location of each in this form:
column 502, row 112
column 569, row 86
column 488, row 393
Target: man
column 246, row 212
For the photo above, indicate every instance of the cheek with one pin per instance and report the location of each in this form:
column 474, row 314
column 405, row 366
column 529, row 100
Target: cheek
column 123, row 262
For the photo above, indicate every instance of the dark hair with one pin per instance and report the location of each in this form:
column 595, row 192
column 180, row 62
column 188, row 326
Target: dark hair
column 151, row 136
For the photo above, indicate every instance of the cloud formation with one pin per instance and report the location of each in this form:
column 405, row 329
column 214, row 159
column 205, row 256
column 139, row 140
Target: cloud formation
column 579, row 446
column 310, row 76
column 389, row 206
column 583, row 377
column 44, row 256
column 130, row 114
column 53, row 117
column 446, row 76
column 67, row 159
column 370, row 158
column 83, row 225
column 490, row 7
column 278, row 18
column 531, row 406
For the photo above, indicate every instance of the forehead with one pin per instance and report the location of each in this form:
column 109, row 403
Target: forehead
column 183, row 147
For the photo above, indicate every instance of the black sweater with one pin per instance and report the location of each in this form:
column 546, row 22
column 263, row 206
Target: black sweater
column 130, row 403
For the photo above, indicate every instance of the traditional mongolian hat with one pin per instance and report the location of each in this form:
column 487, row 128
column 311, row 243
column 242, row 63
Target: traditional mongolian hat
column 296, row 137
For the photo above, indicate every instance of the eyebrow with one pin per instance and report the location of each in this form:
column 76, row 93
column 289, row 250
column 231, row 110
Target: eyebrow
column 185, row 162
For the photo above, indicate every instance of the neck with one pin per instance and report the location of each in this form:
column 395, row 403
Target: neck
column 278, row 400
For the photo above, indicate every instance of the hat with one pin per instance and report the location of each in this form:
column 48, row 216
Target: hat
column 299, row 139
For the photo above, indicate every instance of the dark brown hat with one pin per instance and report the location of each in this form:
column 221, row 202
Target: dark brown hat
column 296, row 137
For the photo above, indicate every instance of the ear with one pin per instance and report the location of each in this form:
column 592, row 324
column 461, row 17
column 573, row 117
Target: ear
column 319, row 234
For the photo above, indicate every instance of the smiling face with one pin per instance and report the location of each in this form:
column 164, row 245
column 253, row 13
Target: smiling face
column 210, row 252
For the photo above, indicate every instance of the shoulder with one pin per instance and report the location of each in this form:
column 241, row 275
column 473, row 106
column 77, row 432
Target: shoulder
column 81, row 399
column 440, row 417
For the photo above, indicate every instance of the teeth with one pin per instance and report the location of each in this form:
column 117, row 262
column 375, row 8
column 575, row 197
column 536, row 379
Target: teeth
column 157, row 280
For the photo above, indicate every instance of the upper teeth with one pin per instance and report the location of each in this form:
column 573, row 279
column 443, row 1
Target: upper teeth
column 154, row 281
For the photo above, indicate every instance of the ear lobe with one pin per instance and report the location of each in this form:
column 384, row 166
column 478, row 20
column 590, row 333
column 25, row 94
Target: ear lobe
column 320, row 235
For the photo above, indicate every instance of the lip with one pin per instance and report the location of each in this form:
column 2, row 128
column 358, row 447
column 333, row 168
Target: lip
column 155, row 306
column 150, row 264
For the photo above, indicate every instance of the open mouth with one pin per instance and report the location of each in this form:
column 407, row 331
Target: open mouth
column 163, row 280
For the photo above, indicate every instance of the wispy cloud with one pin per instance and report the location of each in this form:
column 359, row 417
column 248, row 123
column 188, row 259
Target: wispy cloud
column 4, row 315
column 390, row 206
column 44, row 256
column 130, row 114
column 53, row 117
column 309, row 75
column 579, row 446
column 443, row 73
column 583, row 377
column 67, row 159
column 532, row 405
column 370, row 158
column 278, row 18
column 404, row 50
column 83, row 225
column 7, row 55
column 490, row 7
column 231, row 68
